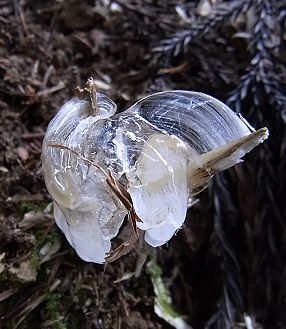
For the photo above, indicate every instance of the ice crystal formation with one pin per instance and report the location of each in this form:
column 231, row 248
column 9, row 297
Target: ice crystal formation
column 146, row 162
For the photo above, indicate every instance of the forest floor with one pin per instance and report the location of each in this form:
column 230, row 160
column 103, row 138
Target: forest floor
column 47, row 49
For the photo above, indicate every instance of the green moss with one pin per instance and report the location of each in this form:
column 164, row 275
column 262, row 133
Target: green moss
column 42, row 239
column 53, row 311
column 163, row 298
column 3, row 278
column 26, row 206
column 36, row 259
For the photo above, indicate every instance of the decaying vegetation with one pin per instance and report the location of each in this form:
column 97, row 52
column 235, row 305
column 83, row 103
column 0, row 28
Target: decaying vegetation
column 226, row 268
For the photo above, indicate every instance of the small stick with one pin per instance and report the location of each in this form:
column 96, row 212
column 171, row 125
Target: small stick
column 89, row 91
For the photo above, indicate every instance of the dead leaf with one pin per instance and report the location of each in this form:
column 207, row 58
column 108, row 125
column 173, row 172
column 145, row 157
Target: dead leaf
column 26, row 272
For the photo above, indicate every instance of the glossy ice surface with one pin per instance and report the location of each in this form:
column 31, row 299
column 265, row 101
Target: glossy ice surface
column 163, row 149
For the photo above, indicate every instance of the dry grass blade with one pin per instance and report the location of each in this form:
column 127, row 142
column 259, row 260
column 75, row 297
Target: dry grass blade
column 200, row 172
column 123, row 249
column 118, row 189
column 6, row 294
column 18, row 315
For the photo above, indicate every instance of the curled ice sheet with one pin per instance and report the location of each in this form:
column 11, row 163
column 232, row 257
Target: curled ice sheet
column 86, row 210
column 146, row 161
column 158, row 187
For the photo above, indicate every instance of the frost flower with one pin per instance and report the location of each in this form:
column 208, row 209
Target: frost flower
column 146, row 162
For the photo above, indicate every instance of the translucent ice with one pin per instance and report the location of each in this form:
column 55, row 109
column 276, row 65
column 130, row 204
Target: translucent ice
column 162, row 150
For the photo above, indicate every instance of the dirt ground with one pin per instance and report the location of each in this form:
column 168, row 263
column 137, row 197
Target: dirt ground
column 226, row 267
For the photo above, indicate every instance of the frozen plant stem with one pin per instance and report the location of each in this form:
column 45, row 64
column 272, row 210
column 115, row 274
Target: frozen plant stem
column 89, row 93
column 145, row 162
